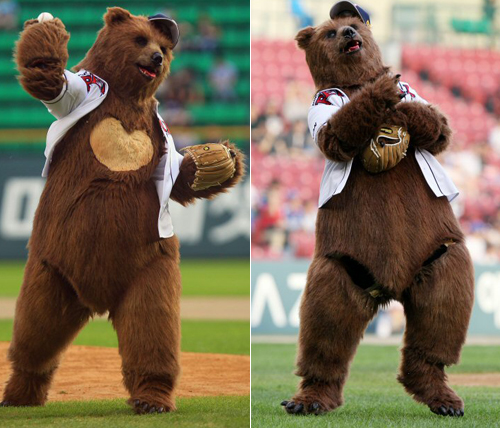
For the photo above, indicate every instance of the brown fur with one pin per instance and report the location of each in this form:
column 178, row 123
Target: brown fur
column 95, row 245
column 381, row 229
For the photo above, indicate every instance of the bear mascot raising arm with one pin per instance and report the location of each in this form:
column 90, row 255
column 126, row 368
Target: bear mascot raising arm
column 102, row 236
column 385, row 228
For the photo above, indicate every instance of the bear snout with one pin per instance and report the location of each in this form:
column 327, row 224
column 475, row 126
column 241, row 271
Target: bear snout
column 157, row 59
column 349, row 32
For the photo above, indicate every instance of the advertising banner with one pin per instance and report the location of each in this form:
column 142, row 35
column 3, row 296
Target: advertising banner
column 277, row 288
column 218, row 228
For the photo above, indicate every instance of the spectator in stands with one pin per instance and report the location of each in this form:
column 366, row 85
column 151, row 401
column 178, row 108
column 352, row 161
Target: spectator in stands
column 311, row 211
column 298, row 141
column 179, row 90
column 270, row 223
column 297, row 95
column 270, row 127
column 208, row 34
column 223, row 78
column 294, row 214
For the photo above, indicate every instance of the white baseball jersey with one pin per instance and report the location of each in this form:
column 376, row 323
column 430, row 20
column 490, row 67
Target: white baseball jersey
column 83, row 92
column 328, row 102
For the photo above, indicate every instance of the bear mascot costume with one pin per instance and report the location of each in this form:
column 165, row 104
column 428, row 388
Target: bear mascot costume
column 102, row 236
column 385, row 228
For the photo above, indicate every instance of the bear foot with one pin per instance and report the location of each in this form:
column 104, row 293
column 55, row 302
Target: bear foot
column 302, row 408
column 451, row 406
column 440, row 398
column 12, row 403
column 26, row 389
column 145, row 406
column 310, row 403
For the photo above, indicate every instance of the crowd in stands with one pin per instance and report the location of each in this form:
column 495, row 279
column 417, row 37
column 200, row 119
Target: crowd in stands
column 287, row 169
column 186, row 85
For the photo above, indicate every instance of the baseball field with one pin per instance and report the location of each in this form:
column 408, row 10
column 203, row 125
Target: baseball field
column 215, row 383
column 373, row 397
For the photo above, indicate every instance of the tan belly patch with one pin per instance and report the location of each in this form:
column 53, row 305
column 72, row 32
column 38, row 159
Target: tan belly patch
column 119, row 150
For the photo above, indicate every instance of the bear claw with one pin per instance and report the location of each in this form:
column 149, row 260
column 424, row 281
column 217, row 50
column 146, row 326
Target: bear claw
column 294, row 408
column 142, row 407
column 448, row 411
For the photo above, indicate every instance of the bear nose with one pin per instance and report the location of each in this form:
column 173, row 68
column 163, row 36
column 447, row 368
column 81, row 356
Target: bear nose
column 157, row 58
column 349, row 32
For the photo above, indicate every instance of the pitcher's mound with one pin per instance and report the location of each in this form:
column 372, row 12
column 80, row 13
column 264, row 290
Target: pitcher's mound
column 93, row 373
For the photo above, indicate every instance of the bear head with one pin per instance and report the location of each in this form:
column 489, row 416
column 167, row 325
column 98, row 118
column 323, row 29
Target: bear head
column 341, row 52
column 132, row 53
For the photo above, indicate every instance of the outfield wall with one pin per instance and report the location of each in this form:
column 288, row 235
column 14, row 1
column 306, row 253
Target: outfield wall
column 277, row 288
column 219, row 228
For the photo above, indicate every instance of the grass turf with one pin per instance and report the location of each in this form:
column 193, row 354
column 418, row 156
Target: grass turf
column 226, row 277
column 200, row 278
column 213, row 412
column 222, row 337
column 373, row 397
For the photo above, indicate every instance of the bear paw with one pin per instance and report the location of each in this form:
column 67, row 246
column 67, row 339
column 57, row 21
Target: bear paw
column 447, row 407
column 23, row 403
column 309, row 405
column 142, row 407
column 386, row 89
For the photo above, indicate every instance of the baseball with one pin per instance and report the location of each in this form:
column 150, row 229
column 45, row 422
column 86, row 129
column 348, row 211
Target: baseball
column 44, row 16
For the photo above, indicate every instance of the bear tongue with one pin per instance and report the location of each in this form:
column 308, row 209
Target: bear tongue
column 354, row 47
column 148, row 73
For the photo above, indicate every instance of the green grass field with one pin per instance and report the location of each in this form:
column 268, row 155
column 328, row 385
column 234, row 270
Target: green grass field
column 224, row 278
column 373, row 397
column 199, row 277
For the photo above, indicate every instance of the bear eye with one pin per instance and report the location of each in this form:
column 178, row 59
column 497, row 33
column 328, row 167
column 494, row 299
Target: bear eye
column 163, row 50
column 354, row 26
column 141, row 41
column 331, row 34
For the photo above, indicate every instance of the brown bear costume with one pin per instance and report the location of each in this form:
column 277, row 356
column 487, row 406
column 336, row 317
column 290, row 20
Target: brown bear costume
column 96, row 244
column 384, row 236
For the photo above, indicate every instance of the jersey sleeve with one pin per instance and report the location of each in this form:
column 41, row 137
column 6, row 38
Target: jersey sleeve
column 410, row 93
column 325, row 104
column 72, row 95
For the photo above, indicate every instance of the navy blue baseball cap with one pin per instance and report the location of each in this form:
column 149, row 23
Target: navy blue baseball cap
column 167, row 26
column 347, row 6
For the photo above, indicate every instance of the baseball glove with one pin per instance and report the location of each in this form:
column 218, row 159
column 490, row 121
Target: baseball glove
column 215, row 163
column 386, row 149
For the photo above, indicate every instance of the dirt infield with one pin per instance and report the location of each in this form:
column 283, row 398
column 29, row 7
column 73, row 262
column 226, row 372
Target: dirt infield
column 195, row 308
column 475, row 379
column 93, row 373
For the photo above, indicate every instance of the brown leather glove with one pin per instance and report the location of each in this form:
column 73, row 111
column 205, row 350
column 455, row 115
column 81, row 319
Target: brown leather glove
column 215, row 163
column 386, row 149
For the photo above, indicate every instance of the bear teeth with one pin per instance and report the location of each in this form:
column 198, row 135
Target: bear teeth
column 352, row 46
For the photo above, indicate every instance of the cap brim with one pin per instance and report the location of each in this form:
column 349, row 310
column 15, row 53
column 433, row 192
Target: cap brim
column 344, row 6
column 167, row 26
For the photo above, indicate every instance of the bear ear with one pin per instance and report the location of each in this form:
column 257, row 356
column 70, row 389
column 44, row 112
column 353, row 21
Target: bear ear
column 304, row 37
column 116, row 15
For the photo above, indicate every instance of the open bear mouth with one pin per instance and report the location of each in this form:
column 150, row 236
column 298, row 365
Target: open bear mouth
column 148, row 72
column 352, row 47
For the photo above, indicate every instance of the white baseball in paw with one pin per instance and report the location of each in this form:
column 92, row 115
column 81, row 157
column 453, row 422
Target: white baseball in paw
column 44, row 17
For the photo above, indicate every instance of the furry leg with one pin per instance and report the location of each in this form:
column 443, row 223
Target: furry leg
column 147, row 321
column 438, row 306
column 333, row 316
column 48, row 316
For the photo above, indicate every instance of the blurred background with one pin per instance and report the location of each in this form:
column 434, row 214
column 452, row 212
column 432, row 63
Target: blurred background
column 449, row 53
column 205, row 99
